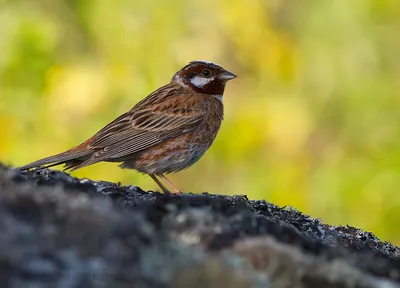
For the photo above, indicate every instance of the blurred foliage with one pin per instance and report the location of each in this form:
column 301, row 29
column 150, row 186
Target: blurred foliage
column 312, row 121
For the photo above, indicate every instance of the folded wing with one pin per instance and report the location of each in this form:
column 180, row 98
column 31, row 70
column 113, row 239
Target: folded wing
column 144, row 126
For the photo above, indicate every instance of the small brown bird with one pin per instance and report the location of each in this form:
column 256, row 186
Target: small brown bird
column 166, row 132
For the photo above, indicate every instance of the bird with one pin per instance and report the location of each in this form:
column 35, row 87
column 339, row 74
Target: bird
column 166, row 132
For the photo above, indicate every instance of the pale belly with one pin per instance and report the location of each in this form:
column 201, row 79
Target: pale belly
column 175, row 155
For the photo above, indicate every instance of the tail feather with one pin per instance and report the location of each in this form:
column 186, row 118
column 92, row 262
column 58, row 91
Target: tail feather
column 67, row 157
column 71, row 165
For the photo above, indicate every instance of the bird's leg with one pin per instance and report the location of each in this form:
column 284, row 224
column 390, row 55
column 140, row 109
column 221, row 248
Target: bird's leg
column 176, row 190
column 165, row 190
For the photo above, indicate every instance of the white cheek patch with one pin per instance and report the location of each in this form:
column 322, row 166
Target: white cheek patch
column 199, row 81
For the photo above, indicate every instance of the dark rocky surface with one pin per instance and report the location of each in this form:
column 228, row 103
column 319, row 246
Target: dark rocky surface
column 60, row 231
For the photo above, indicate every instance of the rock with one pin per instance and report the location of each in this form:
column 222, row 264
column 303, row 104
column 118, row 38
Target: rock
column 60, row 231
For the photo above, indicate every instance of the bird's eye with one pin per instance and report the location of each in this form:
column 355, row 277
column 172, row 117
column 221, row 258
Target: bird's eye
column 206, row 72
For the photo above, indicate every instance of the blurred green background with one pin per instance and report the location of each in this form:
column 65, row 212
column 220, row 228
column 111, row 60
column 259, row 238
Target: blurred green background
column 312, row 121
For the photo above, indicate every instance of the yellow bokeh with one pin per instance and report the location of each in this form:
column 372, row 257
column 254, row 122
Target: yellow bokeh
column 312, row 121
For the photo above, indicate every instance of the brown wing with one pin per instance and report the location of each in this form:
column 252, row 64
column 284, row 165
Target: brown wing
column 164, row 114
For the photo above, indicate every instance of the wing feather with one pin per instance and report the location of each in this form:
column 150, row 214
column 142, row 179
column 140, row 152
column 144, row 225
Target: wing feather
column 152, row 121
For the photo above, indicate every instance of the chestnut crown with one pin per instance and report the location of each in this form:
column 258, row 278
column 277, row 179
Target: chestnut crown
column 204, row 77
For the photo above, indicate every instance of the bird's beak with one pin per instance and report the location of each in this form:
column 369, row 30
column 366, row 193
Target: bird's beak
column 226, row 75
